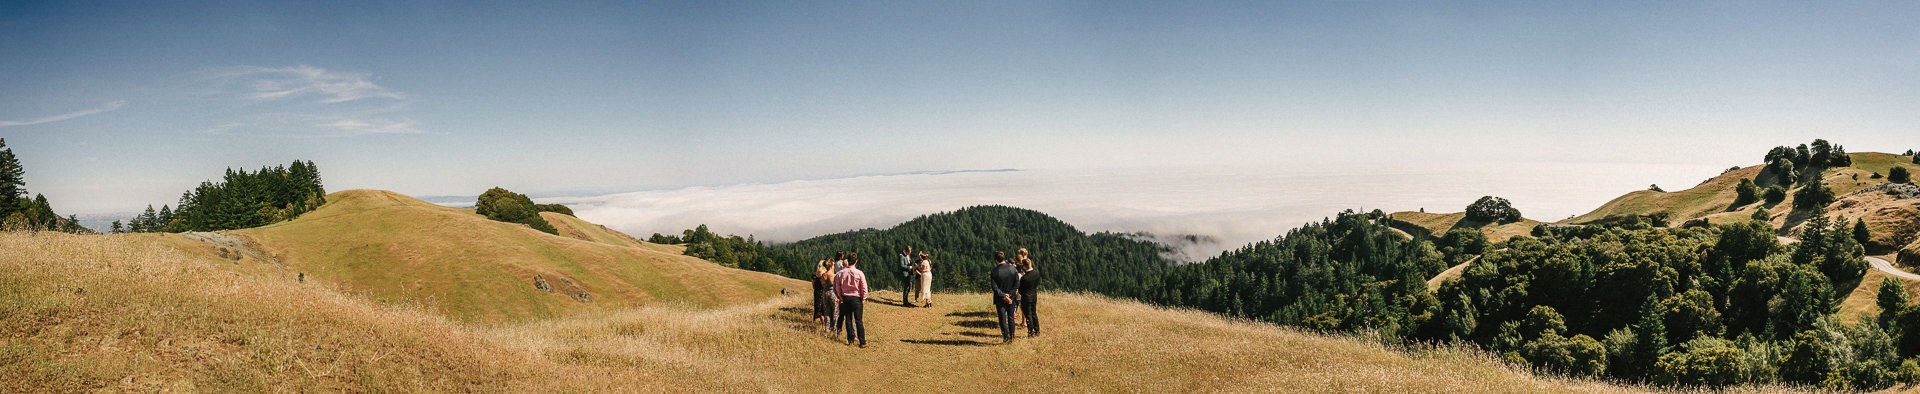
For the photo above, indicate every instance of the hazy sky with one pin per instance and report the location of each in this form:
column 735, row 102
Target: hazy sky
column 115, row 105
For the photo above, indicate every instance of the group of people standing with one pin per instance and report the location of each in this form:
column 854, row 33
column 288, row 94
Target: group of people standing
column 840, row 291
column 1015, row 284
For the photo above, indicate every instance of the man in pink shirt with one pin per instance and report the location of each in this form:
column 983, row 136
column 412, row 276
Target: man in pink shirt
column 851, row 287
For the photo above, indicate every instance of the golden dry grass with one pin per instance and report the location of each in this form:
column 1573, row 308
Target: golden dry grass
column 1863, row 301
column 393, row 248
column 156, row 317
column 1437, row 224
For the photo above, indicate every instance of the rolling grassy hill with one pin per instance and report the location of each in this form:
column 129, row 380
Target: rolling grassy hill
column 1437, row 224
column 1713, row 198
column 396, row 249
column 139, row 313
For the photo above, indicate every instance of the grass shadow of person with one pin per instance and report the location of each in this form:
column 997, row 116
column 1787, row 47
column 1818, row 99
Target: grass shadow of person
column 981, row 314
column 947, row 342
column 988, row 324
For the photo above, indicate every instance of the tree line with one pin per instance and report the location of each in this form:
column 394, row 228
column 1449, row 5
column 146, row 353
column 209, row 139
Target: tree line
column 20, row 213
column 240, row 199
column 961, row 244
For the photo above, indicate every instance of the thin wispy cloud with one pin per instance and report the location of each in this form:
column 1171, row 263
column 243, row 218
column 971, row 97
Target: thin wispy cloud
column 307, row 101
column 66, row 116
column 330, row 87
column 372, row 126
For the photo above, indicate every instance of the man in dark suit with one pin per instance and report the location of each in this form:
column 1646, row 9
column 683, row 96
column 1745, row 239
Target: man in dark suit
column 1005, row 281
column 907, row 281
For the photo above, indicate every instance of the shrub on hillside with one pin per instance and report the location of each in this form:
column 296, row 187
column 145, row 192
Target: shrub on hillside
column 1898, row 175
column 1746, row 193
column 506, row 206
column 1775, row 194
column 1814, row 195
column 555, row 208
column 1493, row 210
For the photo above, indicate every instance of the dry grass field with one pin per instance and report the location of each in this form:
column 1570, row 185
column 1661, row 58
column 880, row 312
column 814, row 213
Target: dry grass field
column 138, row 313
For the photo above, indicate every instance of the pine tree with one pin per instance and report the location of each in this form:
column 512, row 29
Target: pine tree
column 1898, row 175
column 163, row 219
column 117, row 228
column 1814, row 194
column 1892, row 299
column 12, row 181
column 1650, row 334
column 1860, row 233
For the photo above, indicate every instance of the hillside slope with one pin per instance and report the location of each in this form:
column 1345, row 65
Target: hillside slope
column 136, row 313
column 395, row 248
column 1713, row 198
column 1436, row 224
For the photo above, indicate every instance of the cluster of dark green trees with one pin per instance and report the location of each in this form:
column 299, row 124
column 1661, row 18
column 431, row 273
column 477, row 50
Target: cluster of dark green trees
column 1490, row 209
column 502, row 205
column 19, row 213
column 734, row 251
column 961, row 245
column 239, row 200
column 1788, row 164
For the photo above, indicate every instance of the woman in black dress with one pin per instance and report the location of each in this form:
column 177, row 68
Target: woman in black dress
column 823, row 307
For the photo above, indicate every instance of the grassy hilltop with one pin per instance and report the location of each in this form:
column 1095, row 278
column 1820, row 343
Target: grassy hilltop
column 393, row 248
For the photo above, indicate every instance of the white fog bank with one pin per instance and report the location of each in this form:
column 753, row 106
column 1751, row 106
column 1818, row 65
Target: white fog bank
column 1234, row 206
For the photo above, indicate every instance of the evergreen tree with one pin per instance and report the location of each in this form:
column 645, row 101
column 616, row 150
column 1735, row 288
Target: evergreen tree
column 12, row 181
column 164, row 218
column 1892, row 299
column 1814, row 194
column 1762, row 215
column 1899, row 175
column 1650, row 339
column 1860, row 232
column 117, row 228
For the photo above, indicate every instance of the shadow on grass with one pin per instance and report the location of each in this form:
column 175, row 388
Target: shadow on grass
column 981, row 314
column 989, row 324
column 947, row 342
column 976, row 334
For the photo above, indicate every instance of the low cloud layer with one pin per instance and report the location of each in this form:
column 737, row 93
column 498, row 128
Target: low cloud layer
column 1221, row 208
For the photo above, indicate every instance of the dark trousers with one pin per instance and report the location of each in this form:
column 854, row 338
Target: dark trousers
column 1033, row 319
column 851, row 316
column 907, row 283
column 1006, row 320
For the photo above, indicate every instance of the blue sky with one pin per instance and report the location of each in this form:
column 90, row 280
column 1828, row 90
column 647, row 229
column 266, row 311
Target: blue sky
column 112, row 106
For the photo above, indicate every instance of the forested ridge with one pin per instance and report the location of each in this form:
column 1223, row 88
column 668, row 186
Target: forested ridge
column 961, row 244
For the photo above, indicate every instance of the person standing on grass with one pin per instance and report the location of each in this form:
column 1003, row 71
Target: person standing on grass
column 925, row 270
column 823, row 305
column 1029, row 285
column 907, row 281
column 839, row 263
column 1005, row 281
column 851, row 285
